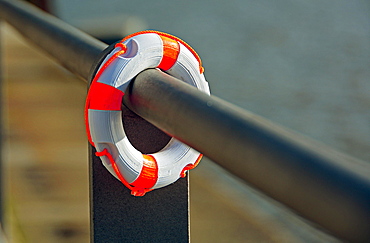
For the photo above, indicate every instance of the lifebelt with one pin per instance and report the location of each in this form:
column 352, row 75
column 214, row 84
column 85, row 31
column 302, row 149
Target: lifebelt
column 142, row 50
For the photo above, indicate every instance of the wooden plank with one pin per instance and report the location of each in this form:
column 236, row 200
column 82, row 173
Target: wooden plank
column 45, row 153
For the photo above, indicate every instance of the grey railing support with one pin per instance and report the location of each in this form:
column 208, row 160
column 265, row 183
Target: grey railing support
column 324, row 186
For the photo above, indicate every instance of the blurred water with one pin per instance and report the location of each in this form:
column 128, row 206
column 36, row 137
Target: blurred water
column 302, row 64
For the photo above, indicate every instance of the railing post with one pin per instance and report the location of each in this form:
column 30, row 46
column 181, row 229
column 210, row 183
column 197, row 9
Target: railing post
column 117, row 216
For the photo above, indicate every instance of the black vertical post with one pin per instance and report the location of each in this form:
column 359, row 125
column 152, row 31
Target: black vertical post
column 116, row 216
column 161, row 215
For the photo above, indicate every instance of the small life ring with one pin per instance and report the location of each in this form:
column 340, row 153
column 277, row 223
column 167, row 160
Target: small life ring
column 142, row 50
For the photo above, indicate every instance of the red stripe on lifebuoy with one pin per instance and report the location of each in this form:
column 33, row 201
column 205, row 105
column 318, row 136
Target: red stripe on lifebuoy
column 93, row 92
column 148, row 175
column 190, row 166
column 135, row 190
column 171, row 51
column 114, row 166
column 201, row 69
column 105, row 97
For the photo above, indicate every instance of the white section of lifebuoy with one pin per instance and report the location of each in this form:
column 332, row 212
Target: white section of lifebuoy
column 142, row 51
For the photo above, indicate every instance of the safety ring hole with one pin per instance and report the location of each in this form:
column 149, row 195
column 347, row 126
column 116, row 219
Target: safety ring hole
column 144, row 136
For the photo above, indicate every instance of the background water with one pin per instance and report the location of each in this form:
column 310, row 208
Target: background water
column 302, row 64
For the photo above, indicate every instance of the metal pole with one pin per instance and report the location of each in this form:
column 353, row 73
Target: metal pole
column 72, row 48
column 323, row 186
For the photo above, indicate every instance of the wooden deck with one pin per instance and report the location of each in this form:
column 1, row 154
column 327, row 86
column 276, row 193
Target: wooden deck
column 45, row 149
column 45, row 156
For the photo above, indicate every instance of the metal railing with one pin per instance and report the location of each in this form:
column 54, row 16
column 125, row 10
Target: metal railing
column 320, row 184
